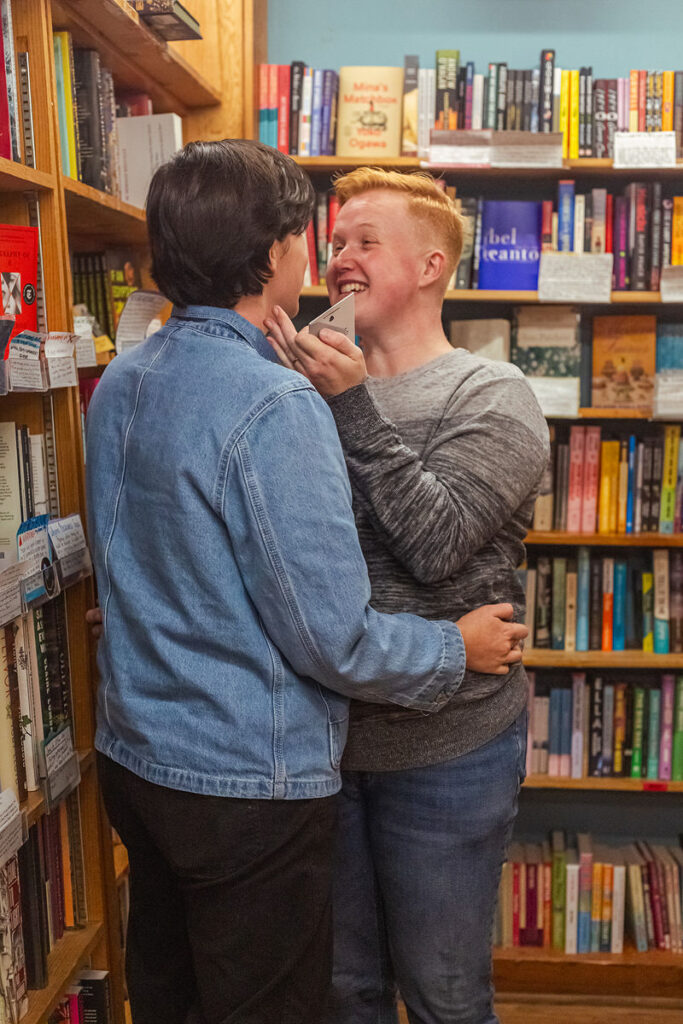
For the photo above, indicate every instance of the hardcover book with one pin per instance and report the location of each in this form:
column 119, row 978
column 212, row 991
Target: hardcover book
column 18, row 275
column 510, row 245
column 369, row 111
column 169, row 18
column 623, row 362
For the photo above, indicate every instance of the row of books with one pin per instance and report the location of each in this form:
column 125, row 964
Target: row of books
column 102, row 281
column 572, row 359
column 111, row 142
column 86, row 1001
column 612, row 482
column 42, row 895
column 392, row 111
column 588, row 897
column 642, row 228
column 602, row 727
column 503, row 239
column 599, row 603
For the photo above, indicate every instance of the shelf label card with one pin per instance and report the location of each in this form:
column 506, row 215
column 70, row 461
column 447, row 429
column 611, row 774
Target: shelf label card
column 26, row 369
column 671, row 284
column 644, row 149
column 575, row 277
column 70, row 547
column 61, row 365
column 61, row 766
column 10, row 592
column 85, row 343
column 526, row 149
column 11, row 831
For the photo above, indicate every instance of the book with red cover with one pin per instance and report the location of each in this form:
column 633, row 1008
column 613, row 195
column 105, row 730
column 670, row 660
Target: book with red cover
column 18, row 275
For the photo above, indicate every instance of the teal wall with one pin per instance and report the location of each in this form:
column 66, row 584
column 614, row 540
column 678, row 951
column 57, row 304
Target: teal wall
column 610, row 35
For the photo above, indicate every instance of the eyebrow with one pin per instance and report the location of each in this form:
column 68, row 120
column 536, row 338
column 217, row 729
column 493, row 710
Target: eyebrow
column 365, row 224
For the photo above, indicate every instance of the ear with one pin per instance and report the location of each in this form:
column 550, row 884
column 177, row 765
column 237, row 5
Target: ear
column 433, row 267
column 274, row 254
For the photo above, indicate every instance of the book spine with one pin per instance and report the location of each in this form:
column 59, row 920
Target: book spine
column 666, row 727
column 676, row 602
column 653, row 731
column 678, row 112
column 283, row 89
column 619, row 623
column 295, row 93
column 660, row 563
column 667, row 509
column 677, row 739
column 572, row 909
column 620, row 715
column 595, row 614
column 596, row 727
column 638, row 762
column 317, row 112
column 565, row 215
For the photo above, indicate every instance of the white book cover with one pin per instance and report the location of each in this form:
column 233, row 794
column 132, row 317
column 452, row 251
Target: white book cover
column 489, row 339
column 143, row 144
column 10, row 495
column 579, row 222
column 478, row 102
column 305, row 113
column 571, row 915
column 26, row 705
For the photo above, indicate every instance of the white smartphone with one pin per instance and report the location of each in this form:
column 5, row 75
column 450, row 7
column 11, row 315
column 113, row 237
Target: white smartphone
column 340, row 317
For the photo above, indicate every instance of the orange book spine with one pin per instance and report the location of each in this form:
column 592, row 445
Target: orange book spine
column 677, row 233
column 633, row 102
column 69, row 918
column 607, row 603
column 668, row 101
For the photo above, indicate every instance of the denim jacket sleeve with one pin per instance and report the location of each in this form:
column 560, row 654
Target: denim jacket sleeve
column 286, row 501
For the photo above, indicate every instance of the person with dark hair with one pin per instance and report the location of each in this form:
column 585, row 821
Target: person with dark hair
column 235, row 605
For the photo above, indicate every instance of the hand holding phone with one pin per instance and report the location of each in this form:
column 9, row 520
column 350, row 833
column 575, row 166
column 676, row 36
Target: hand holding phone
column 340, row 317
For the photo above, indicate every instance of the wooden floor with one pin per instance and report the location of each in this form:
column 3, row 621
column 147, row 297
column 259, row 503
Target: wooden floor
column 578, row 1013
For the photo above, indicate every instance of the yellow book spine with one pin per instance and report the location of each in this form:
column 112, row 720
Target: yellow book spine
column 596, row 897
column 667, row 507
column 603, row 507
column 564, row 112
column 574, row 115
column 614, row 487
column 648, row 602
column 633, row 102
column 677, row 233
column 668, row 101
column 67, row 72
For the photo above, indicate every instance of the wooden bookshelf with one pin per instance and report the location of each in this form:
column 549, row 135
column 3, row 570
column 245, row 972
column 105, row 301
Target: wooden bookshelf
column 627, row 975
column 71, row 952
column 34, row 806
column 15, row 177
column 515, row 298
column 542, row 658
column 584, row 166
column 121, row 866
column 606, row 784
column 138, row 57
column 622, row 540
column 104, row 218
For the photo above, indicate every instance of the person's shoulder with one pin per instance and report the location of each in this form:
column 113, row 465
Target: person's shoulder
column 478, row 369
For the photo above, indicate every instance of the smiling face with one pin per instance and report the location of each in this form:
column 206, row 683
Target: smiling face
column 379, row 251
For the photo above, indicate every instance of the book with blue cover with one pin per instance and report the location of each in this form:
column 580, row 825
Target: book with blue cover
column 510, row 245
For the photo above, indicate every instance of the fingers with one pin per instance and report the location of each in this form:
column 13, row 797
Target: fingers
column 502, row 611
column 284, row 323
column 93, row 616
column 513, row 656
column 280, row 352
column 335, row 339
column 517, row 631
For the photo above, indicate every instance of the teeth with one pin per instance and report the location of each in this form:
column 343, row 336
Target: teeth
column 345, row 288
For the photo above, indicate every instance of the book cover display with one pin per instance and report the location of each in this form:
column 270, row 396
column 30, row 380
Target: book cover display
column 510, row 245
column 369, row 111
column 624, row 361
column 18, row 275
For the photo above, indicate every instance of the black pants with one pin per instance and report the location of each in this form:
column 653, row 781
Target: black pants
column 230, row 903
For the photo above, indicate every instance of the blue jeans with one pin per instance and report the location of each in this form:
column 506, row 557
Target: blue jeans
column 419, row 855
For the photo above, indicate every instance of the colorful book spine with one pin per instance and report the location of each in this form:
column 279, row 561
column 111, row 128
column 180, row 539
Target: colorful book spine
column 653, row 731
column 660, row 563
column 565, row 216
column 583, row 599
column 637, row 753
column 667, row 508
column 666, row 727
column 647, row 589
column 619, row 616
column 677, row 742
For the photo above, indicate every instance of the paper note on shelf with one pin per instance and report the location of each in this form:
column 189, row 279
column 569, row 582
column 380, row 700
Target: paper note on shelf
column 574, row 277
column 526, row 149
column 11, row 832
column 61, row 365
column 142, row 307
column 462, row 148
column 644, row 149
column 671, row 284
column 85, row 344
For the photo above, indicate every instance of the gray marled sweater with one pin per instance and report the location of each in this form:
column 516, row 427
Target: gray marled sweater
column 445, row 462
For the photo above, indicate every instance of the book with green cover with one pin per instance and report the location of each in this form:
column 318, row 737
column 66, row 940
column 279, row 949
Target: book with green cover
column 558, row 888
column 677, row 753
column 654, row 709
column 638, row 723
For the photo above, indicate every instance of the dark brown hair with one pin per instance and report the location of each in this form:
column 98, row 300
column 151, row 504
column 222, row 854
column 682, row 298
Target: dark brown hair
column 213, row 213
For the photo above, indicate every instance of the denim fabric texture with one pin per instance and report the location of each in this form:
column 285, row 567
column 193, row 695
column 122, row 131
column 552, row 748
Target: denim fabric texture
column 233, row 588
column 419, row 856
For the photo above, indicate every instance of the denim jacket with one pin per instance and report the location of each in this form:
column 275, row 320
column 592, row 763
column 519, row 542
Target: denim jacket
column 233, row 588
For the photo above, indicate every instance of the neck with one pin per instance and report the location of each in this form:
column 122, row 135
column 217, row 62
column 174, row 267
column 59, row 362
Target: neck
column 254, row 308
column 404, row 344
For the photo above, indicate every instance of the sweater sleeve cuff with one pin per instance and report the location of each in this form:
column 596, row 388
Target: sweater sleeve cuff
column 356, row 416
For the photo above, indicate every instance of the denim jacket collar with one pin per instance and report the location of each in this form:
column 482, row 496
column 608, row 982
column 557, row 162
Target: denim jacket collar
column 236, row 323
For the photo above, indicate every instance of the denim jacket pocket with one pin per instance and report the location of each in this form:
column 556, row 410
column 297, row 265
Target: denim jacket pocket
column 338, row 723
